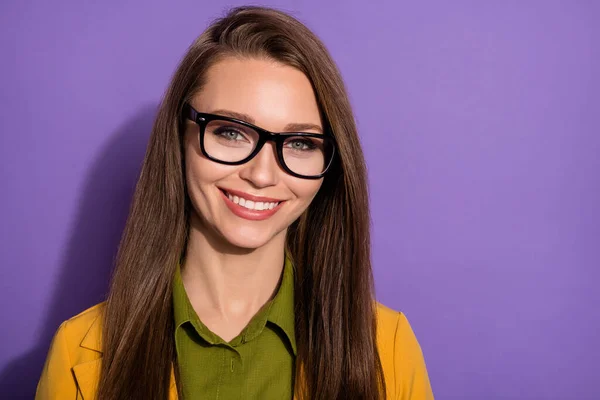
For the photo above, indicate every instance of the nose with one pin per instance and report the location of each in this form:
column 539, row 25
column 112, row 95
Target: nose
column 263, row 170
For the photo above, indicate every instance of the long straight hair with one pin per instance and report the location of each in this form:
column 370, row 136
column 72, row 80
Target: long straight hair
column 337, row 354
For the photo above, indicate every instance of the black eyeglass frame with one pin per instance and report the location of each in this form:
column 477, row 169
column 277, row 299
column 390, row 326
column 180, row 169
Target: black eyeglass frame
column 264, row 136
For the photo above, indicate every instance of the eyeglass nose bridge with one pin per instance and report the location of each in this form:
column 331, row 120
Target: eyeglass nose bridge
column 265, row 136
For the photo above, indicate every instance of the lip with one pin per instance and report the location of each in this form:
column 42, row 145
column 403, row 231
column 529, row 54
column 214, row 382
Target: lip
column 248, row 196
column 243, row 212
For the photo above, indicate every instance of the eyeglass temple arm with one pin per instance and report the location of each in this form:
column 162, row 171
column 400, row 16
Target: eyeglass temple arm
column 189, row 112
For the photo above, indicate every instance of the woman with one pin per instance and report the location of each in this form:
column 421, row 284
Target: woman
column 244, row 270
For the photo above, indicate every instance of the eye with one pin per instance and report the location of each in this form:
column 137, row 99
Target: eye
column 301, row 144
column 228, row 133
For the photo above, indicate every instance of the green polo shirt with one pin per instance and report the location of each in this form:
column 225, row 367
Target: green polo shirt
column 256, row 364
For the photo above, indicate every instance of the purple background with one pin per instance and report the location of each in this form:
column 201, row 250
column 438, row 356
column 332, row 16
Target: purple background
column 481, row 126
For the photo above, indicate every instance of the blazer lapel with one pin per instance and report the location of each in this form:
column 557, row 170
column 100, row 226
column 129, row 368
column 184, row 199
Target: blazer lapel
column 87, row 375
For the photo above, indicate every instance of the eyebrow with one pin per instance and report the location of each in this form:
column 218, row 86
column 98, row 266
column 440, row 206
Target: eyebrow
column 291, row 127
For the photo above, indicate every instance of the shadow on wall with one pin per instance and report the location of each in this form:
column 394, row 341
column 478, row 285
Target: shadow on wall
column 89, row 256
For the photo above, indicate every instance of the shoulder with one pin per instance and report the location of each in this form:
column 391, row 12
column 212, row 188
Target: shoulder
column 387, row 319
column 76, row 336
column 84, row 329
column 394, row 332
column 84, row 319
column 401, row 356
column 394, row 335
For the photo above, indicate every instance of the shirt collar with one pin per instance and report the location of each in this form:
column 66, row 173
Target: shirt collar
column 280, row 310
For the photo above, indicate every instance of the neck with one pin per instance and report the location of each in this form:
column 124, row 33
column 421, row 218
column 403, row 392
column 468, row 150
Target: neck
column 227, row 283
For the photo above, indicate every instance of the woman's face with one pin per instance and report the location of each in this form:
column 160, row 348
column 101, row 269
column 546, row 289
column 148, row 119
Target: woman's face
column 272, row 96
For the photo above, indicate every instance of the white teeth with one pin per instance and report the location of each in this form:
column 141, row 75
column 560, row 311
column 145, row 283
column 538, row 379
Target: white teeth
column 251, row 205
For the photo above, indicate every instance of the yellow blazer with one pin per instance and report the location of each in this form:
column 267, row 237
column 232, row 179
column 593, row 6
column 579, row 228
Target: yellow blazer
column 72, row 369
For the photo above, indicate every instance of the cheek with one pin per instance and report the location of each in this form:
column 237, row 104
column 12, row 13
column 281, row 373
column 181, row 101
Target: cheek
column 201, row 174
column 199, row 170
column 305, row 190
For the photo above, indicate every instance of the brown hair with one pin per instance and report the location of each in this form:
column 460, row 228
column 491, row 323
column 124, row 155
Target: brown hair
column 330, row 243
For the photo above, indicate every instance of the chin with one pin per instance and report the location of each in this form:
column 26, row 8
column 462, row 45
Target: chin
column 248, row 238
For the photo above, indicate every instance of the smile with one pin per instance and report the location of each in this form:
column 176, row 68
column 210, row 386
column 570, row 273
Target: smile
column 250, row 207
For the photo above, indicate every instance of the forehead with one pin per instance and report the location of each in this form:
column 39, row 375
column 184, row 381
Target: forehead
column 272, row 93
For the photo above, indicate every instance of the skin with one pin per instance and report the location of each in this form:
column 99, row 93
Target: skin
column 233, row 265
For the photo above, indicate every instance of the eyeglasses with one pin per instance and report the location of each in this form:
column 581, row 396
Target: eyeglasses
column 231, row 141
